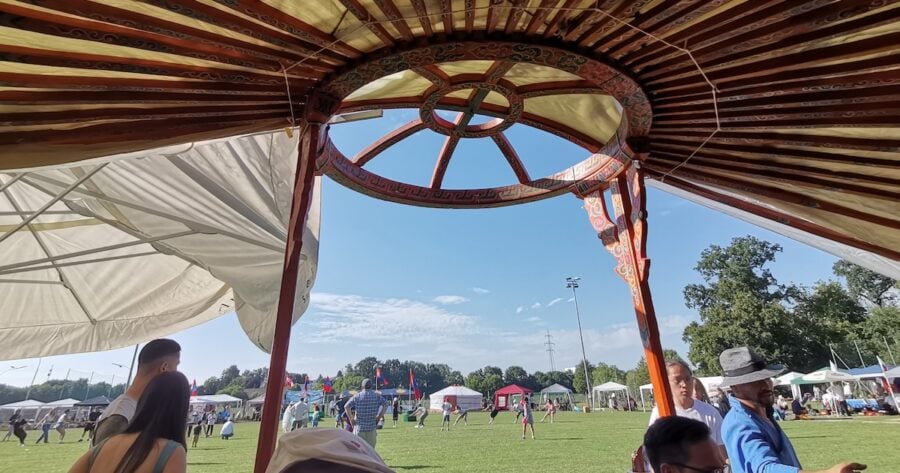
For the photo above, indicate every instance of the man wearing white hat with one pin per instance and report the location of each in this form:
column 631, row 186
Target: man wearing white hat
column 755, row 442
column 319, row 450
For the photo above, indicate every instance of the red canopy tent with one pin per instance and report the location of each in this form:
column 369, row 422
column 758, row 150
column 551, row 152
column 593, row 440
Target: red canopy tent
column 503, row 396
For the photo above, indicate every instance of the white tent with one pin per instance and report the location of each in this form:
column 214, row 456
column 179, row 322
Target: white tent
column 261, row 399
column 609, row 387
column 119, row 250
column 62, row 403
column 825, row 376
column 787, row 380
column 459, row 396
column 29, row 407
column 893, row 372
column 557, row 391
column 216, row 399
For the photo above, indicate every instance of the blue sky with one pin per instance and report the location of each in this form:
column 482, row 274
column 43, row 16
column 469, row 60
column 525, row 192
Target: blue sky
column 466, row 287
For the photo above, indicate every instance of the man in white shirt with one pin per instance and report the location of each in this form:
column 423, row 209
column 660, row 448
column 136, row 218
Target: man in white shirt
column 301, row 415
column 156, row 357
column 447, row 408
column 60, row 425
column 681, row 383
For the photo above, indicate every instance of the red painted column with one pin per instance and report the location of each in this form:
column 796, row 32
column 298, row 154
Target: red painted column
column 303, row 187
column 626, row 240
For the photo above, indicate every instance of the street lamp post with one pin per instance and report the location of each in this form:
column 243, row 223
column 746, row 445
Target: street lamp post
column 573, row 284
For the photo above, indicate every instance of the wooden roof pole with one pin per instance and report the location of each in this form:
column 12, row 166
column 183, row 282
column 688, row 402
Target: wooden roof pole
column 319, row 109
column 626, row 240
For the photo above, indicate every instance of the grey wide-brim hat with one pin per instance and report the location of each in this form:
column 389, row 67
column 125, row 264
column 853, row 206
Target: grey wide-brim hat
column 741, row 366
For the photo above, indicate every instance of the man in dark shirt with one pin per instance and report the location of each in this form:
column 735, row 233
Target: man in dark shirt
column 90, row 424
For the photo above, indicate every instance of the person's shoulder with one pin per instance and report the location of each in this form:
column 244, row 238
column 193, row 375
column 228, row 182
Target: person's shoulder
column 706, row 409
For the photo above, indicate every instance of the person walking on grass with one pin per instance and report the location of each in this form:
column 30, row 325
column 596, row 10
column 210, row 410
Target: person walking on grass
column 19, row 430
column 365, row 410
column 157, row 357
column 463, row 415
column 494, row 412
column 446, row 409
column 395, row 411
column 317, row 413
column 45, row 423
column 210, row 421
column 154, row 441
column 528, row 417
column 227, row 430
column 549, row 411
column 12, row 422
column 60, row 425
column 519, row 410
column 197, row 430
column 90, row 424
column 421, row 414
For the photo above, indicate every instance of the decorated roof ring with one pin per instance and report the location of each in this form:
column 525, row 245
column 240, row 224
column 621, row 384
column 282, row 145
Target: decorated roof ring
column 490, row 91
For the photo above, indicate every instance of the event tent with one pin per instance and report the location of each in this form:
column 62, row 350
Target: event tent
column 506, row 397
column 556, row 391
column 611, row 388
column 775, row 114
column 457, row 396
column 94, row 402
column 62, row 403
column 787, row 380
column 825, row 375
column 869, row 372
column 29, row 407
column 216, row 399
column 893, row 372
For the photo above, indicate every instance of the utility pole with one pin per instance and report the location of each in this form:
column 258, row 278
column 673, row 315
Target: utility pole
column 573, row 284
column 131, row 369
column 550, row 344
column 28, row 392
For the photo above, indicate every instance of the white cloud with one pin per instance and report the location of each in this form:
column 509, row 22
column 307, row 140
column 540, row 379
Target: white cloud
column 450, row 300
column 554, row 302
column 384, row 322
column 480, row 290
column 536, row 305
column 571, row 299
column 533, row 319
column 519, row 309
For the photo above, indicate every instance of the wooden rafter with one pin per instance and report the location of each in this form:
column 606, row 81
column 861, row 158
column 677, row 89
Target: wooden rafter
column 385, row 142
column 447, row 15
column 539, row 16
column 424, row 19
column 392, row 13
column 511, row 157
column 356, row 9
column 446, row 153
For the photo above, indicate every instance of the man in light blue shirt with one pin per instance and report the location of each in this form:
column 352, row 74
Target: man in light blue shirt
column 754, row 441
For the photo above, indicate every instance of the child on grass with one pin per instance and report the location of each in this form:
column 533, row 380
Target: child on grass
column 197, row 429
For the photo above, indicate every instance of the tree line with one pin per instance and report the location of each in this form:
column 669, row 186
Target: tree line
column 739, row 300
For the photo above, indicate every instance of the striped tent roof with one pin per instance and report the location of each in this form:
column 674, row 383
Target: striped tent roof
column 784, row 110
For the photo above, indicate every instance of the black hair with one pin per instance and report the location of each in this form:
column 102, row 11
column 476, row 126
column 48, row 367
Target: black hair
column 669, row 438
column 680, row 362
column 160, row 414
column 156, row 350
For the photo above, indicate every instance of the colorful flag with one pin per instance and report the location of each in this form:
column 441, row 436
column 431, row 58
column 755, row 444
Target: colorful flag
column 414, row 386
column 288, row 382
column 887, row 381
column 379, row 377
column 326, row 385
column 194, row 391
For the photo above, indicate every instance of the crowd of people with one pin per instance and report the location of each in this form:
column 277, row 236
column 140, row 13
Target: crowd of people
column 748, row 439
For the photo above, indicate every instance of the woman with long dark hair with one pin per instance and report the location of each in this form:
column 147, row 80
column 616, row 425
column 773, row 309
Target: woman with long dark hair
column 154, row 440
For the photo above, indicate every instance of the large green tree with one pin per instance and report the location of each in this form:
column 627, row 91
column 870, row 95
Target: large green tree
column 865, row 284
column 741, row 303
column 605, row 373
column 579, row 385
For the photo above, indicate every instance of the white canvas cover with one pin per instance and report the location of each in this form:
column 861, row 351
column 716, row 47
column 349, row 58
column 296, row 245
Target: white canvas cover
column 26, row 404
column 555, row 388
column 610, row 386
column 825, row 376
column 137, row 246
column 215, row 399
column 465, row 398
column 62, row 403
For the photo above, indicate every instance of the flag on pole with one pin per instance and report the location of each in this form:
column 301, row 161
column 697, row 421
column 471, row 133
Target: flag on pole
column 414, row 386
column 832, row 365
column 326, row 385
column 194, row 391
column 887, row 381
column 288, row 382
column 306, row 384
column 379, row 377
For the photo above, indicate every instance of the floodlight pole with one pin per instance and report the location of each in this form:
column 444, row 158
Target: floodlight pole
column 319, row 109
column 573, row 284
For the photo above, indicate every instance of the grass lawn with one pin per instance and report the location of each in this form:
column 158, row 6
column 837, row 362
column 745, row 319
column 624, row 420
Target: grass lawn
column 598, row 442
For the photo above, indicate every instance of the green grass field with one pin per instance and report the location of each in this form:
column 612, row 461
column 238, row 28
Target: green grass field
column 598, row 442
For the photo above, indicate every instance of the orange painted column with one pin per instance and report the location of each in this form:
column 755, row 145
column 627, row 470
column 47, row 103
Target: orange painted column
column 626, row 239
column 303, row 187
